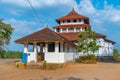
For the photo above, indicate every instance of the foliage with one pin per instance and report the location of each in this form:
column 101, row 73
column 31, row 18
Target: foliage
column 10, row 54
column 17, row 64
column 13, row 54
column 116, row 54
column 87, row 42
column 5, row 33
column 2, row 52
column 51, row 66
column 44, row 65
column 21, row 65
column 91, row 58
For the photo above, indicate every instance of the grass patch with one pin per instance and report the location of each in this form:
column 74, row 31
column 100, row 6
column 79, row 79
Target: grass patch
column 91, row 58
column 51, row 66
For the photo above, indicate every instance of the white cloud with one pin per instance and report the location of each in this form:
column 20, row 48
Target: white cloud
column 38, row 3
column 14, row 12
column 22, row 26
column 86, row 6
column 99, row 17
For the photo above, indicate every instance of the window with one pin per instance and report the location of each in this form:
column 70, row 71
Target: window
column 68, row 21
column 51, row 47
column 80, row 20
column 74, row 21
column 58, row 30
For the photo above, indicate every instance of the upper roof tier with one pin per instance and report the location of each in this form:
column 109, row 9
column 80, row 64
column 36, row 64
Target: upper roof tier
column 72, row 15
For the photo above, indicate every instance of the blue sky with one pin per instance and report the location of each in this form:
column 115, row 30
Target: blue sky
column 104, row 16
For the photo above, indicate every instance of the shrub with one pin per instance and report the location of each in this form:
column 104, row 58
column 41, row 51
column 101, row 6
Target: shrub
column 116, row 54
column 51, row 66
column 91, row 58
column 13, row 54
column 21, row 65
column 2, row 52
column 17, row 64
column 44, row 66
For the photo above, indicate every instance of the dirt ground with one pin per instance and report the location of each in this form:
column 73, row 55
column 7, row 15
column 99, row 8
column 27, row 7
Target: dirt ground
column 99, row 71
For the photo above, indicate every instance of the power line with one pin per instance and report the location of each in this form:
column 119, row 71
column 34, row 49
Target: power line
column 34, row 11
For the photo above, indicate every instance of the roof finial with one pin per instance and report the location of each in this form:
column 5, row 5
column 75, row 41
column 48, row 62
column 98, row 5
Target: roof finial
column 46, row 25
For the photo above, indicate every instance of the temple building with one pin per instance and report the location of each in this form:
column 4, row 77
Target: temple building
column 59, row 46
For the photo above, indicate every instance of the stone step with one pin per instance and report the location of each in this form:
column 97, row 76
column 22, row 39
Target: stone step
column 34, row 65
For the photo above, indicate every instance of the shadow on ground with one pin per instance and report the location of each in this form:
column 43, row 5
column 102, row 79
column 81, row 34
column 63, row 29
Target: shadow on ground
column 65, row 78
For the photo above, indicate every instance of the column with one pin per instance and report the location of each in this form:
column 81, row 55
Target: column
column 55, row 30
column 56, row 47
column 81, row 29
column 67, row 30
column 74, row 29
column 35, row 47
column 46, row 47
column 61, row 46
column 41, row 48
column 65, row 47
column 25, row 47
column 61, row 30
column 38, row 48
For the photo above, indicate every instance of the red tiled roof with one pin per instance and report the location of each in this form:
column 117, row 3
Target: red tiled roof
column 43, row 35
column 71, row 16
column 72, row 26
column 73, row 36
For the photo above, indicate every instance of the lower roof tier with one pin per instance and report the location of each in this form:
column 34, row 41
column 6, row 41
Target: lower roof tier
column 73, row 36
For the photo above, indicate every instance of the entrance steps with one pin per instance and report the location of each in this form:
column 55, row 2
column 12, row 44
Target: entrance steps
column 33, row 65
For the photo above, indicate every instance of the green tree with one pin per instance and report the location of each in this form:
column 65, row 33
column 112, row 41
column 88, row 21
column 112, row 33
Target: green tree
column 87, row 42
column 5, row 33
column 116, row 54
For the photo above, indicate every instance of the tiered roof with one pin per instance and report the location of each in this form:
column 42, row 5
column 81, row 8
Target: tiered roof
column 46, row 35
column 73, row 15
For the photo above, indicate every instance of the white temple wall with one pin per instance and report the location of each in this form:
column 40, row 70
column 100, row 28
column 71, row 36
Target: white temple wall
column 106, row 48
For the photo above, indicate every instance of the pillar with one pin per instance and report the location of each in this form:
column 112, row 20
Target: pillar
column 56, row 47
column 81, row 29
column 46, row 47
column 35, row 47
column 67, row 30
column 25, row 47
column 41, row 48
column 61, row 46
column 65, row 47
column 75, row 30
column 55, row 30
column 61, row 30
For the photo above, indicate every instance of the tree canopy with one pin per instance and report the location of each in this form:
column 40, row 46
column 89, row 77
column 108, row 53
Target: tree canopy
column 5, row 33
column 87, row 42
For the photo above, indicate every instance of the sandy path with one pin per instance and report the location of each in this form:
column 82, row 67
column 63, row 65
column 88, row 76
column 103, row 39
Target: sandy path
column 99, row 71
